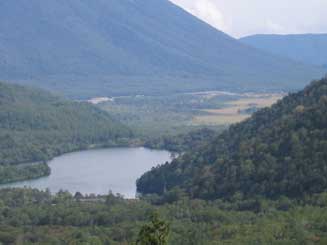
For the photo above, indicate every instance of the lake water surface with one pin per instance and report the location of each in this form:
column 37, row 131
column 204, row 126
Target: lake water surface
column 98, row 171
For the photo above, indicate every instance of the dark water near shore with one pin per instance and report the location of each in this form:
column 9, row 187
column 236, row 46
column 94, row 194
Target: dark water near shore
column 98, row 171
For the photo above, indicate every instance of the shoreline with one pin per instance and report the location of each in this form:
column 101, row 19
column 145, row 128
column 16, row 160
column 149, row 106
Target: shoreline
column 21, row 166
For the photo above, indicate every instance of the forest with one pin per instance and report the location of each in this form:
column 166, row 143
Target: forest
column 37, row 217
column 14, row 173
column 280, row 150
column 261, row 181
column 36, row 126
column 182, row 142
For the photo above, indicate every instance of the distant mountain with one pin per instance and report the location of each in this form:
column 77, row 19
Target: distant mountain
column 36, row 126
column 114, row 47
column 306, row 48
column 279, row 151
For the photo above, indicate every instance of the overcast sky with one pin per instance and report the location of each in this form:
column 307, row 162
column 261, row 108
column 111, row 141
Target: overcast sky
column 245, row 17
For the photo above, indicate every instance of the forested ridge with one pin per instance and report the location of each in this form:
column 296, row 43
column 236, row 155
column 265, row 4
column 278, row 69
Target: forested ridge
column 279, row 151
column 36, row 126
column 182, row 142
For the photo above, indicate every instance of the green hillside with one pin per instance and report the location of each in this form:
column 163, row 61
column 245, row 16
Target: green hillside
column 36, row 126
column 279, row 151
column 116, row 47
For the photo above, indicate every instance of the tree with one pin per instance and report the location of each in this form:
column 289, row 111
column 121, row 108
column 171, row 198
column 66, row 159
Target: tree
column 154, row 233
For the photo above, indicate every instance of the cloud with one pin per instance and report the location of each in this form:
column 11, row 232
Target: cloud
column 246, row 17
column 273, row 27
column 207, row 11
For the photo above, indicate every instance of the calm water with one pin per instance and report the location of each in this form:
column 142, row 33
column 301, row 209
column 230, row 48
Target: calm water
column 98, row 171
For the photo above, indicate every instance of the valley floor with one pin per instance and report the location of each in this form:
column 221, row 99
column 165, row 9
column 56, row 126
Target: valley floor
column 152, row 116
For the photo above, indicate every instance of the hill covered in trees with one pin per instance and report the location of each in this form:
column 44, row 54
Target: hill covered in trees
column 118, row 47
column 36, row 126
column 279, row 151
column 306, row 48
column 182, row 142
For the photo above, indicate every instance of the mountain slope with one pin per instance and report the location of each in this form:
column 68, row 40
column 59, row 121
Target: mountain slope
column 280, row 150
column 36, row 126
column 114, row 47
column 306, row 48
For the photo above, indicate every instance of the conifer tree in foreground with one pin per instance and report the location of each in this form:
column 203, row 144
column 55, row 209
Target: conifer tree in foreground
column 154, row 233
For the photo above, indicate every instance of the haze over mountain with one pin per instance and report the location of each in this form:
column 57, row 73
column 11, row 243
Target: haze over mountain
column 112, row 47
column 306, row 48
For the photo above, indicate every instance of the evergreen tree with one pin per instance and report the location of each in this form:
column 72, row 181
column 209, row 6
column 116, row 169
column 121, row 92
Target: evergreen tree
column 154, row 233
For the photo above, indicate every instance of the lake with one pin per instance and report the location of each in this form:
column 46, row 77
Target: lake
column 98, row 171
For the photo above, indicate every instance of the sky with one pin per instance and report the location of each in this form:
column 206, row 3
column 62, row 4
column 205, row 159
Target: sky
column 240, row 18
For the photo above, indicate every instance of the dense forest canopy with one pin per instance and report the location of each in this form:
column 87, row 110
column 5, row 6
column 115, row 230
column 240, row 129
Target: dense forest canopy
column 280, row 150
column 182, row 142
column 37, row 217
column 36, row 125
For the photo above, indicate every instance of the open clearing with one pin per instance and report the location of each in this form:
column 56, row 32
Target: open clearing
column 179, row 113
column 237, row 110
